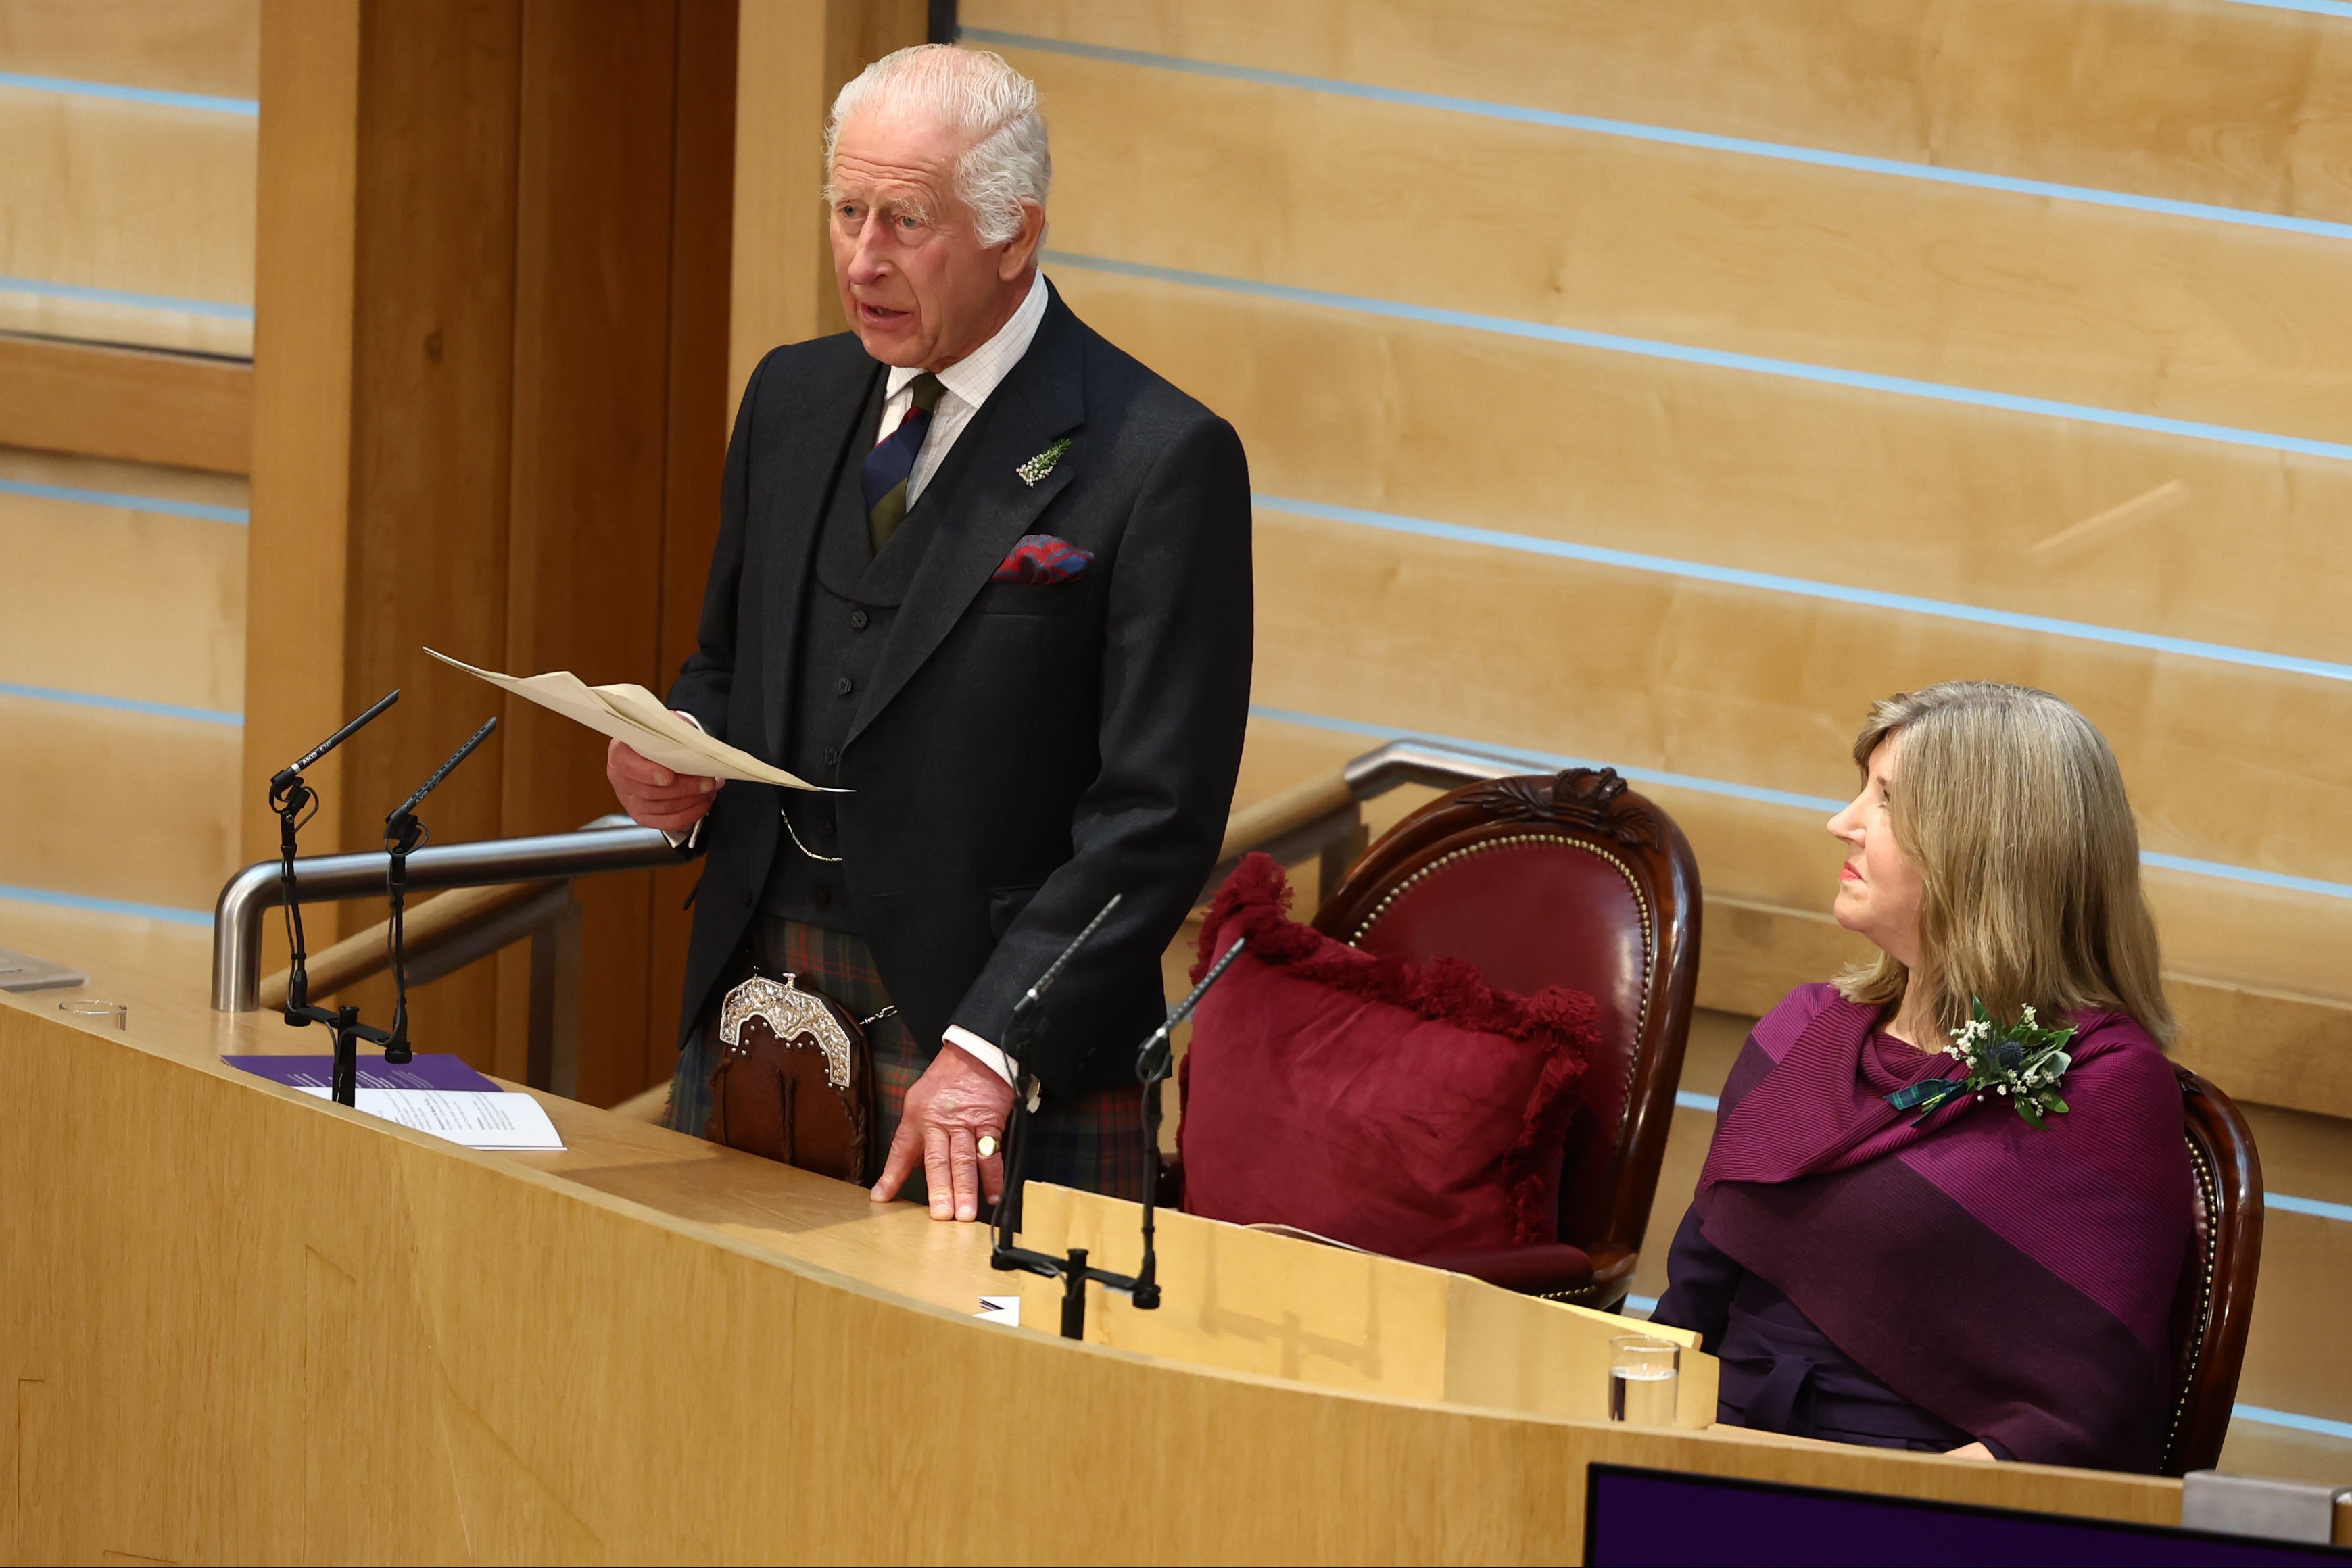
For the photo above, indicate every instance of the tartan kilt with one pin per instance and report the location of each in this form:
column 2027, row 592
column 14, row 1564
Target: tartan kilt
column 1092, row 1140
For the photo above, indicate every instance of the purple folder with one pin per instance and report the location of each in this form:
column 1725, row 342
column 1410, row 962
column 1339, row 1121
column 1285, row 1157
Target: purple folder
column 439, row 1071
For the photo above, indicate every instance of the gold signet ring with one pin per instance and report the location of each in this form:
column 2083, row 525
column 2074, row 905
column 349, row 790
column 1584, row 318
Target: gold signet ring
column 988, row 1146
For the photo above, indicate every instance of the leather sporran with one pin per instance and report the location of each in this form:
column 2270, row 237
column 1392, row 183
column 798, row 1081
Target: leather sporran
column 794, row 1080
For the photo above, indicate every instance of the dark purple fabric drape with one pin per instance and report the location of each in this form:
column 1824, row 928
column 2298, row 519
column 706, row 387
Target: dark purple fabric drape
column 2017, row 1284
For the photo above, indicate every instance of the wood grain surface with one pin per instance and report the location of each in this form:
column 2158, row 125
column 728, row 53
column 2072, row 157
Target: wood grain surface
column 120, row 598
column 244, row 1325
column 149, row 199
column 2237, row 105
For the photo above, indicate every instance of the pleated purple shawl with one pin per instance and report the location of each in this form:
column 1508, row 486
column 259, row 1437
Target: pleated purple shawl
column 2017, row 1284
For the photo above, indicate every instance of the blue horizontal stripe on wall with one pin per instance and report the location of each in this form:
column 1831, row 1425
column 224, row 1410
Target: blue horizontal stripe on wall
column 92, row 906
column 73, row 88
column 89, row 294
column 1772, row 582
column 2315, row 7
column 1716, row 359
column 75, row 494
column 2314, row 1207
column 1688, row 1100
column 1634, row 130
column 2318, row 1424
column 121, row 704
column 1820, row 803
column 1554, row 762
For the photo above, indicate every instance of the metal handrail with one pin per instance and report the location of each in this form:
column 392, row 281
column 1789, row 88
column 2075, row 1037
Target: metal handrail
column 607, row 844
column 1418, row 762
column 1320, row 815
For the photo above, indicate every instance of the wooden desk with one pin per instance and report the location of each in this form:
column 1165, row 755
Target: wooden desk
column 242, row 1325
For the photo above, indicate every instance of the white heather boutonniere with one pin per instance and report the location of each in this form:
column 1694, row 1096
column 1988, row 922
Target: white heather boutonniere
column 2022, row 1064
column 1037, row 467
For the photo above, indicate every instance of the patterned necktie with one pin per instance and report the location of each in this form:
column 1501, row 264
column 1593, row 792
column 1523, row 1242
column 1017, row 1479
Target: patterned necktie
column 892, row 462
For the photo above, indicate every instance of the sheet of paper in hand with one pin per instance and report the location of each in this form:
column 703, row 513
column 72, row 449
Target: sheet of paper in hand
column 632, row 714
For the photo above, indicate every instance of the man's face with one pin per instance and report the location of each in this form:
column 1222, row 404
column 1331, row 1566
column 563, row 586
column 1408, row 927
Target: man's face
column 918, row 286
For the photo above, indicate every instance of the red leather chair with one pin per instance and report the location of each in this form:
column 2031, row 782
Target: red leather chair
column 2216, row 1288
column 1568, row 881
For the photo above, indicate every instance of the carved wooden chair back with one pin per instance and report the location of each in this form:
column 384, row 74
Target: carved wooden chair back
column 2217, row 1287
column 1575, row 880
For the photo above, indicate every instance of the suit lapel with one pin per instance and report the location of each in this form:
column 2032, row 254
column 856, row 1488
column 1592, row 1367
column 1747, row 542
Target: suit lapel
column 1040, row 401
column 820, row 442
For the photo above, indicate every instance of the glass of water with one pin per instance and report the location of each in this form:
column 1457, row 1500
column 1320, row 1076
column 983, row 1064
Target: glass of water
column 106, row 1015
column 1642, row 1373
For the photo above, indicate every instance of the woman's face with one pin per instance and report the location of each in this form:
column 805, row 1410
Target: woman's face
column 1878, row 888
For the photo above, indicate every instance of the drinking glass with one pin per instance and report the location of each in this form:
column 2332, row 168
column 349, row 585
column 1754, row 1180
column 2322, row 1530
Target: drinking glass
column 114, row 1014
column 1642, row 1373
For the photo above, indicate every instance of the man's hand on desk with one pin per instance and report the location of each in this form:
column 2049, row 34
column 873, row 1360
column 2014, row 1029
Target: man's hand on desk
column 955, row 1103
column 1973, row 1451
column 653, row 795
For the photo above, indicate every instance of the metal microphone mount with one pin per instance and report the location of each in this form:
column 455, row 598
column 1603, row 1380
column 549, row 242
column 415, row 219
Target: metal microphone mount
column 296, row 803
column 405, row 832
column 1152, row 1059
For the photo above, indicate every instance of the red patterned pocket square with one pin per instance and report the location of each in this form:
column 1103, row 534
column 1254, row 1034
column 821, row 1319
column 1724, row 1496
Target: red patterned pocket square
column 1042, row 558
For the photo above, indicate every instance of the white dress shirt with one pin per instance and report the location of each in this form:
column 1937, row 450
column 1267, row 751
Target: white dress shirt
column 968, row 383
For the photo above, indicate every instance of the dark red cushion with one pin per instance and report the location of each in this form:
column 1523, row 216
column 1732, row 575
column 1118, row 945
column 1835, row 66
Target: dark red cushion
column 1399, row 1106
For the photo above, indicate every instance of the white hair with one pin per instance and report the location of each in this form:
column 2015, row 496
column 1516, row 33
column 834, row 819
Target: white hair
column 976, row 92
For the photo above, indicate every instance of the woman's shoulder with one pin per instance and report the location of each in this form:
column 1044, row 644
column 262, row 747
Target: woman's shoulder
column 1777, row 1031
column 2123, row 1083
column 2112, row 1048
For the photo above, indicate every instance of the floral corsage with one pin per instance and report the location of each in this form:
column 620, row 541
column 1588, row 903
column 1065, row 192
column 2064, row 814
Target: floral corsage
column 2024, row 1064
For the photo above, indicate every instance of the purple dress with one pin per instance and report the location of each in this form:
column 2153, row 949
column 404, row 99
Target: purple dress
column 1971, row 1280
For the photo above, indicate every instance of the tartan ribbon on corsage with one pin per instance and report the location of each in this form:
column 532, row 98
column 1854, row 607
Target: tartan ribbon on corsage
column 2022, row 1064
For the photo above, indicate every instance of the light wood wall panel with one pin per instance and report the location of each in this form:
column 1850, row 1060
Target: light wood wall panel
column 175, row 45
column 147, row 198
column 2197, row 100
column 795, row 55
column 117, row 805
column 2194, row 540
column 2175, row 316
column 119, row 599
column 109, row 948
column 152, row 408
column 1751, row 687
column 494, row 429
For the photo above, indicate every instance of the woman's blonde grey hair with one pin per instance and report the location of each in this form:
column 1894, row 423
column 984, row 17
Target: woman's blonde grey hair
column 1008, row 161
column 2011, row 805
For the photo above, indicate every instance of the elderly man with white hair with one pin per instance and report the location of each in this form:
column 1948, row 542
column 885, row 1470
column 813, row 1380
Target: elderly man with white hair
column 988, row 577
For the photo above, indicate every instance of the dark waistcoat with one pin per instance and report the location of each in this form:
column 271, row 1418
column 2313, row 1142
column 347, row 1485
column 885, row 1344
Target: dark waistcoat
column 853, row 597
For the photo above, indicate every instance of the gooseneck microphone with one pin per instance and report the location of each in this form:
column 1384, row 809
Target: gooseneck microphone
column 296, row 803
column 403, row 833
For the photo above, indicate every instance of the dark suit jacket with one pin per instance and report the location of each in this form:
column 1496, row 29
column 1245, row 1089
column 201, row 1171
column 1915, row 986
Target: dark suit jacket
column 1025, row 750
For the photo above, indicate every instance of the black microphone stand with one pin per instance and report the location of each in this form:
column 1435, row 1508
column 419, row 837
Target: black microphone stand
column 403, row 833
column 296, row 803
column 1153, row 1060
column 1028, row 1024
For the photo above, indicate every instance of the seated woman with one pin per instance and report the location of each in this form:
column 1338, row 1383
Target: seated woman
column 1879, row 1256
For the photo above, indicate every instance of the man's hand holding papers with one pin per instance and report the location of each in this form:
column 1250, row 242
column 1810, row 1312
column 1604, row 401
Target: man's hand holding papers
column 653, row 795
column 663, row 766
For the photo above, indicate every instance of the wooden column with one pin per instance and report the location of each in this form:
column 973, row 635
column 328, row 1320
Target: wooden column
column 793, row 56
column 490, row 417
